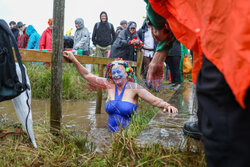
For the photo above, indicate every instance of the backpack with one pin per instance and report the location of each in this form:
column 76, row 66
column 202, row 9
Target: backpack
column 98, row 25
column 110, row 28
column 10, row 86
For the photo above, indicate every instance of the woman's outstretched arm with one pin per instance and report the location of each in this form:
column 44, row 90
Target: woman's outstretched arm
column 155, row 101
column 100, row 82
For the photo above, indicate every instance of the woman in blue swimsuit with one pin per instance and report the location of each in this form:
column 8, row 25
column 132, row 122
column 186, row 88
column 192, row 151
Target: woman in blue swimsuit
column 122, row 92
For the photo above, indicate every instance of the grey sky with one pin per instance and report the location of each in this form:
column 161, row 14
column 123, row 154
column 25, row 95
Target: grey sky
column 37, row 12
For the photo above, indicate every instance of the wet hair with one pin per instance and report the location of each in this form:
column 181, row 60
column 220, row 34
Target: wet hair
column 125, row 64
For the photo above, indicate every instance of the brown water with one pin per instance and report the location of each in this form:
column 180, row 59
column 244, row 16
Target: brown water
column 76, row 114
column 163, row 128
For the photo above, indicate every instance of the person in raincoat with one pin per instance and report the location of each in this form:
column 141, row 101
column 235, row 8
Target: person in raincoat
column 45, row 42
column 218, row 33
column 81, row 38
column 125, row 43
column 34, row 38
column 46, row 38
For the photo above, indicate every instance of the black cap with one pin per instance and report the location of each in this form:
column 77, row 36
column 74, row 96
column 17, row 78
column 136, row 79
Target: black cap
column 12, row 23
column 20, row 24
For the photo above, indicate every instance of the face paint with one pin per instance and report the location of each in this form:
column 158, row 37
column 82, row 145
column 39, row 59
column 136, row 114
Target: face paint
column 117, row 74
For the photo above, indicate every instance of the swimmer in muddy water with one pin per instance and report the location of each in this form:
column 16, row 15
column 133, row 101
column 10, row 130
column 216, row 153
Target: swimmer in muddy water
column 122, row 92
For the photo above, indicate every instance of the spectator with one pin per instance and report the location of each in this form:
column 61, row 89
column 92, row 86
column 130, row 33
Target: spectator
column 14, row 29
column 22, row 38
column 45, row 42
column 34, row 38
column 46, row 38
column 124, row 45
column 103, row 35
column 149, row 46
column 81, row 38
column 223, row 82
column 173, row 61
column 123, row 26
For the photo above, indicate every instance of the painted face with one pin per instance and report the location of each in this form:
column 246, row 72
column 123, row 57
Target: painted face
column 118, row 74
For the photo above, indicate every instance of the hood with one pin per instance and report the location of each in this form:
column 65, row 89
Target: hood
column 129, row 23
column 80, row 22
column 103, row 12
column 30, row 30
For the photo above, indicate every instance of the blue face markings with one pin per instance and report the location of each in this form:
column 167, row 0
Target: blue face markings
column 117, row 74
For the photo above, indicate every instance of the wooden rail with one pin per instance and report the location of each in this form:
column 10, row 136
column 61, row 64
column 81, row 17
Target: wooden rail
column 43, row 56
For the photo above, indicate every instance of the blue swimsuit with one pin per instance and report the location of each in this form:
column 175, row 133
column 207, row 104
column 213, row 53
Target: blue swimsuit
column 120, row 112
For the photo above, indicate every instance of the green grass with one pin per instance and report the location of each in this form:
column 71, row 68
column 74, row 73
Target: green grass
column 73, row 85
column 73, row 148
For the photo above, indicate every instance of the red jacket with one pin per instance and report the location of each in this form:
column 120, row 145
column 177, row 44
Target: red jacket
column 22, row 40
column 46, row 40
column 219, row 29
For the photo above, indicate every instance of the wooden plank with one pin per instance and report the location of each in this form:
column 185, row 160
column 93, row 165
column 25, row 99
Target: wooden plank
column 42, row 56
column 99, row 93
column 56, row 68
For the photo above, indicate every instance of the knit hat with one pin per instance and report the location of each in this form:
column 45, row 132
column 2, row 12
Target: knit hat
column 123, row 22
column 50, row 21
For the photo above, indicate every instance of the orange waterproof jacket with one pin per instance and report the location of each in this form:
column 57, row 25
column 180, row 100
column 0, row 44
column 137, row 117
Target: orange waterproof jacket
column 218, row 28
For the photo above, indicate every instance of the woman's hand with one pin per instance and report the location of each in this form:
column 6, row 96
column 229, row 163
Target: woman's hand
column 170, row 109
column 69, row 55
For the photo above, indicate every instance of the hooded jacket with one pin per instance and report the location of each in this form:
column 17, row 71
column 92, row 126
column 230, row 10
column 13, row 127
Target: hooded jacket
column 103, row 33
column 46, row 40
column 15, row 31
column 81, row 37
column 121, row 47
column 34, row 38
column 22, row 40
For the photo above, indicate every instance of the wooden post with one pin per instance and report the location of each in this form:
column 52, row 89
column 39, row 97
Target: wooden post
column 56, row 68
column 99, row 92
column 139, row 64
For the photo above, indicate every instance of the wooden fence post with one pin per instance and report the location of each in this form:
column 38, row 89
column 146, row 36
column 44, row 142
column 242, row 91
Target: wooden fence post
column 56, row 68
column 99, row 92
column 139, row 64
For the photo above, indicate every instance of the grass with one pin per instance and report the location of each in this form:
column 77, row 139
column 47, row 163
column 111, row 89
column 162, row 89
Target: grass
column 73, row 148
column 73, row 85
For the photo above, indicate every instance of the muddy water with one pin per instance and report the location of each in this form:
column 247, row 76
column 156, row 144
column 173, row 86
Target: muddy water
column 163, row 128
column 76, row 114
